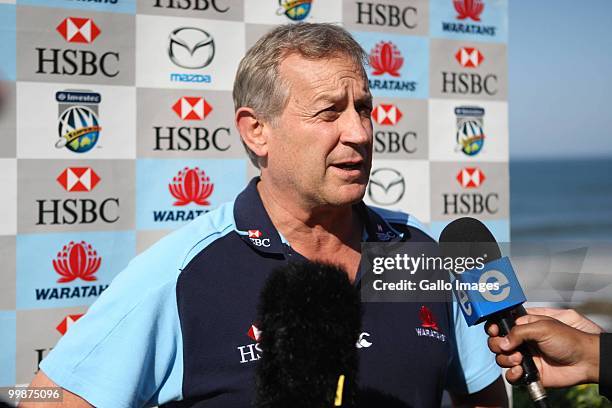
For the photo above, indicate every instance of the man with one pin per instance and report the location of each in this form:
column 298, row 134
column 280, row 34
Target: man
column 173, row 325
column 571, row 349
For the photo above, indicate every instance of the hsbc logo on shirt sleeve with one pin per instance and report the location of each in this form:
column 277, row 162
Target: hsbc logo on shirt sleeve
column 256, row 237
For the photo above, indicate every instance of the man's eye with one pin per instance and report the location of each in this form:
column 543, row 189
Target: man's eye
column 329, row 113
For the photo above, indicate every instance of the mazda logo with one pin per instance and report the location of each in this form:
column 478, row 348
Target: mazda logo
column 387, row 186
column 191, row 48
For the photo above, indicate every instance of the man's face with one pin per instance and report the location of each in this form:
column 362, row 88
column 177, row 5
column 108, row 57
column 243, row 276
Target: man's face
column 321, row 146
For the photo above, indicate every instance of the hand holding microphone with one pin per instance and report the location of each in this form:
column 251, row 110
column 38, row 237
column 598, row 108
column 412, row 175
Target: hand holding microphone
column 568, row 351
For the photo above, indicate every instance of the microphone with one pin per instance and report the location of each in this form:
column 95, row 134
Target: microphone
column 468, row 237
column 309, row 315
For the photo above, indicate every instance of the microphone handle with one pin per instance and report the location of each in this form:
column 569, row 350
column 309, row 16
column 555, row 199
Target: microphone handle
column 531, row 376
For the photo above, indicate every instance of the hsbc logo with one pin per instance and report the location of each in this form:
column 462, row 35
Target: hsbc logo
column 474, row 203
column 67, row 322
column 77, row 62
column 192, row 108
column 196, row 5
column 78, row 30
column 78, row 179
column 386, row 114
column 79, row 211
column 469, row 83
column 388, row 15
column 256, row 238
column 391, row 141
column 251, row 352
column 470, row 177
column 469, row 57
column 191, row 138
column 254, row 333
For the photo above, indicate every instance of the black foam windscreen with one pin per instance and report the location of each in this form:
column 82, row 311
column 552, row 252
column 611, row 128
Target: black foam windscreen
column 310, row 319
column 468, row 237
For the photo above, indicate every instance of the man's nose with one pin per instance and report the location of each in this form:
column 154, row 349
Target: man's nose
column 355, row 128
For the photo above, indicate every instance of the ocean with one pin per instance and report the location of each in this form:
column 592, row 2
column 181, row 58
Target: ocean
column 554, row 200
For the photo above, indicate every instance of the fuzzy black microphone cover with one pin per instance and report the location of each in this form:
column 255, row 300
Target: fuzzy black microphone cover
column 310, row 319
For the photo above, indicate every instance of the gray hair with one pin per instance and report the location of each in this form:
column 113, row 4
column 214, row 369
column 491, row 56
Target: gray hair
column 258, row 84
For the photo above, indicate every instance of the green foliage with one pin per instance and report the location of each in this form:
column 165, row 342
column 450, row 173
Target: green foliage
column 580, row 396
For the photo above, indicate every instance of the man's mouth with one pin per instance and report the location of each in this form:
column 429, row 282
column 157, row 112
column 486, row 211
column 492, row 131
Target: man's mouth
column 349, row 166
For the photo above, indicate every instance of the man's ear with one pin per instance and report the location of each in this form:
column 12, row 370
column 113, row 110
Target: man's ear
column 251, row 129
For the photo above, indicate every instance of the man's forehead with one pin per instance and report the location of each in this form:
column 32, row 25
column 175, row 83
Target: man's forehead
column 327, row 77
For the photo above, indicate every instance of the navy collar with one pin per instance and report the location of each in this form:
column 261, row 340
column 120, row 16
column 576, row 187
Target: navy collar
column 255, row 227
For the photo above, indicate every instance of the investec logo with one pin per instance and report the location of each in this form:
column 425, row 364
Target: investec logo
column 469, row 82
column 387, row 139
column 82, row 210
column 386, row 15
column 76, row 262
column 190, row 48
column 78, row 123
column 473, row 201
column 189, row 186
column 294, row 10
column 192, row 110
column 468, row 19
column 77, row 58
column 386, row 59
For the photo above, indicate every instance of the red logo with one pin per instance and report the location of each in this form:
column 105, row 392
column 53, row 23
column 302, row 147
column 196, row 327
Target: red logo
column 191, row 186
column 67, row 322
column 255, row 234
column 470, row 177
column 427, row 318
column 254, row 333
column 77, row 260
column 78, row 30
column 469, row 57
column 386, row 114
column 469, row 9
column 385, row 57
column 192, row 108
column 75, row 179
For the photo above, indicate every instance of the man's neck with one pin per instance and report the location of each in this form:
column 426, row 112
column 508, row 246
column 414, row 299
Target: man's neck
column 328, row 234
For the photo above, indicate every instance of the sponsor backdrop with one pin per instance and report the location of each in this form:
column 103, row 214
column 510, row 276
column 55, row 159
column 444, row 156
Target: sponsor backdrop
column 117, row 128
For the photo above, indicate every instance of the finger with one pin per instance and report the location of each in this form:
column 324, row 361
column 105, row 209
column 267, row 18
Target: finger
column 545, row 311
column 514, row 374
column 492, row 329
column 498, row 345
column 531, row 319
column 509, row 361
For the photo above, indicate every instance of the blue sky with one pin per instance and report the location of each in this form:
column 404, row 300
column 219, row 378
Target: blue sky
column 560, row 78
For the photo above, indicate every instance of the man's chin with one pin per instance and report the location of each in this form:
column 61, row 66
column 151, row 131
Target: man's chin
column 348, row 194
